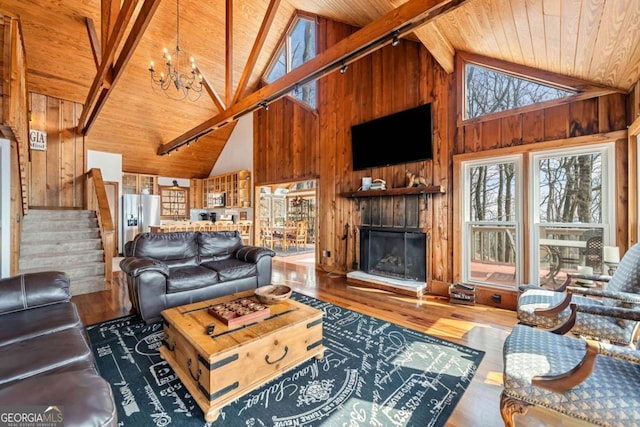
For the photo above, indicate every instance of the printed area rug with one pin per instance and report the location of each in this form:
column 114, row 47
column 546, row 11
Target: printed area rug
column 373, row 373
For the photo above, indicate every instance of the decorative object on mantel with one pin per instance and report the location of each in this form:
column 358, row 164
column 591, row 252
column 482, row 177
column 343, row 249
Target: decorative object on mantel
column 188, row 84
column 378, row 184
column 414, row 180
column 366, row 183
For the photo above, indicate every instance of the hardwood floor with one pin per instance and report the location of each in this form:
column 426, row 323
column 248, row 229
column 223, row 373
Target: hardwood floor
column 481, row 327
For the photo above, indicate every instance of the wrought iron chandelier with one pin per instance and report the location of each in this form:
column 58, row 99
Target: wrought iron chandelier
column 174, row 82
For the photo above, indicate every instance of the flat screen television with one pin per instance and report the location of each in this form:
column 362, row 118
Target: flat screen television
column 403, row 137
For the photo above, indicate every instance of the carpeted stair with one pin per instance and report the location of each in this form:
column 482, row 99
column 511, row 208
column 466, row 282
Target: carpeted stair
column 64, row 240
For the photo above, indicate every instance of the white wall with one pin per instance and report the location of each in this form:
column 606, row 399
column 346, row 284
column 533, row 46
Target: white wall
column 5, row 207
column 110, row 164
column 237, row 154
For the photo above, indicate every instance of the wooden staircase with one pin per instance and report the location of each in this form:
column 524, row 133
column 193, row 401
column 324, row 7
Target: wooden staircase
column 64, row 240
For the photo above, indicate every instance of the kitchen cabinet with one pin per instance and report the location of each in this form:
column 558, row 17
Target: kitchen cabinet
column 234, row 188
column 136, row 183
column 196, row 194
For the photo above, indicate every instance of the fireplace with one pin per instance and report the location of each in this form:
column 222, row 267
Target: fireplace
column 395, row 253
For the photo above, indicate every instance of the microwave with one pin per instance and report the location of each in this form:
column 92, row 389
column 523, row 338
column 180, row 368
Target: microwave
column 216, row 200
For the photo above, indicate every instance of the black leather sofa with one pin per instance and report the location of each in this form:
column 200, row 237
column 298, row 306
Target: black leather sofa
column 44, row 356
column 166, row 270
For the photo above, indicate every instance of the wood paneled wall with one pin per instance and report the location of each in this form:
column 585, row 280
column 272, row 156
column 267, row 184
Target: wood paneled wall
column 587, row 117
column 288, row 147
column 57, row 174
column 390, row 80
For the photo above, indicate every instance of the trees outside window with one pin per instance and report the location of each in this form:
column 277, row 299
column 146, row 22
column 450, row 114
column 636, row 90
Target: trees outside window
column 573, row 203
column 298, row 47
column 489, row 91
column 571, row 198
column 492, row 220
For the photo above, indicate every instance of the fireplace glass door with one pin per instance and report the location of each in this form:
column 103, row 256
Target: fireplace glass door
column 399, row 254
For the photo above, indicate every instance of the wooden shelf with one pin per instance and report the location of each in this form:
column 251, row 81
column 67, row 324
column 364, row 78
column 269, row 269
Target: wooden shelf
column 394, row 192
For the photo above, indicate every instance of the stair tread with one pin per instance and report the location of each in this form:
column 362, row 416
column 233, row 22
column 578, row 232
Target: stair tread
column 69, row 240
column 70, row 267
column 66, row 254
column 55, row 242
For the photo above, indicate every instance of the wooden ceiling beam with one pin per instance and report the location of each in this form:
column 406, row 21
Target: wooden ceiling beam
column 109, row 11
column 228, row 91
column 90, row 113
column 94, row 42
column 269, row 17
column 435, row 42
column 108, row 54
column 400, row 21
column 211, row 91
column 438, row 46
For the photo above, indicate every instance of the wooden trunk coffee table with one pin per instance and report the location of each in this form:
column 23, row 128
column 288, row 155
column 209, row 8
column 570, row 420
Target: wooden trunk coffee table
column 219, row 368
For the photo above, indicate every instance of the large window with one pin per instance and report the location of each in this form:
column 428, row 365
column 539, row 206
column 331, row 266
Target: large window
column 569, row 220
column 490, row 91
column 492, row 212
column 298, row 47
column 572, row 210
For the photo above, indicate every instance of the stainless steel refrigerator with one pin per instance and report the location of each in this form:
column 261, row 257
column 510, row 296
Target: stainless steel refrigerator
column 139, row 212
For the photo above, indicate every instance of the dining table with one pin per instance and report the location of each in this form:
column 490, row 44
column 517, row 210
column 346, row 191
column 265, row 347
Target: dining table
column 557, row 253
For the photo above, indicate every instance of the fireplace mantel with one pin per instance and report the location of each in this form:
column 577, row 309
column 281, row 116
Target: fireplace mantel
column 403, row 191
column 394, row 192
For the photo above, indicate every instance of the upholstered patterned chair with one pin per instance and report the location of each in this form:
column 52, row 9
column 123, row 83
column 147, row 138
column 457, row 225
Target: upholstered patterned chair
column 548, row 308
column 587, row 380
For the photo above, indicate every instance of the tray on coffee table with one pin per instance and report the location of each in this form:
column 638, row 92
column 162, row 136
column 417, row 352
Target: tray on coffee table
column 239, row 311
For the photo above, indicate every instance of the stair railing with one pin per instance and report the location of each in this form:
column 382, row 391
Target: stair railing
column 14, row 122
column 96, row 200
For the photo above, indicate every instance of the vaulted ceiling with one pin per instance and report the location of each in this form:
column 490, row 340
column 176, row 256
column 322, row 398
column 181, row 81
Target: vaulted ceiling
column 596, row 41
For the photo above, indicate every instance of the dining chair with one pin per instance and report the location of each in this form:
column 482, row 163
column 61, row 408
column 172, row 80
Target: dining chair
column 548, row 308
column 269, row 238
column 593, row 253
column 169, row 227
column 202, row 225
column 225, row 225
column 244, row 227
column 299, row 237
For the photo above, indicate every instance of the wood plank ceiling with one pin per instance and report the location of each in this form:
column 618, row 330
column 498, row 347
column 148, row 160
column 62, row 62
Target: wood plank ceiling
column 594, row 40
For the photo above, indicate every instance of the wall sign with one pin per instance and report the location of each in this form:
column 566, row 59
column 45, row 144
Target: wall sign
column 38, row 140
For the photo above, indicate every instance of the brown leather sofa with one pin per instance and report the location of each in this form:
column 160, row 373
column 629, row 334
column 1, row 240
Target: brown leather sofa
column 166, row 270
column 44, row 356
